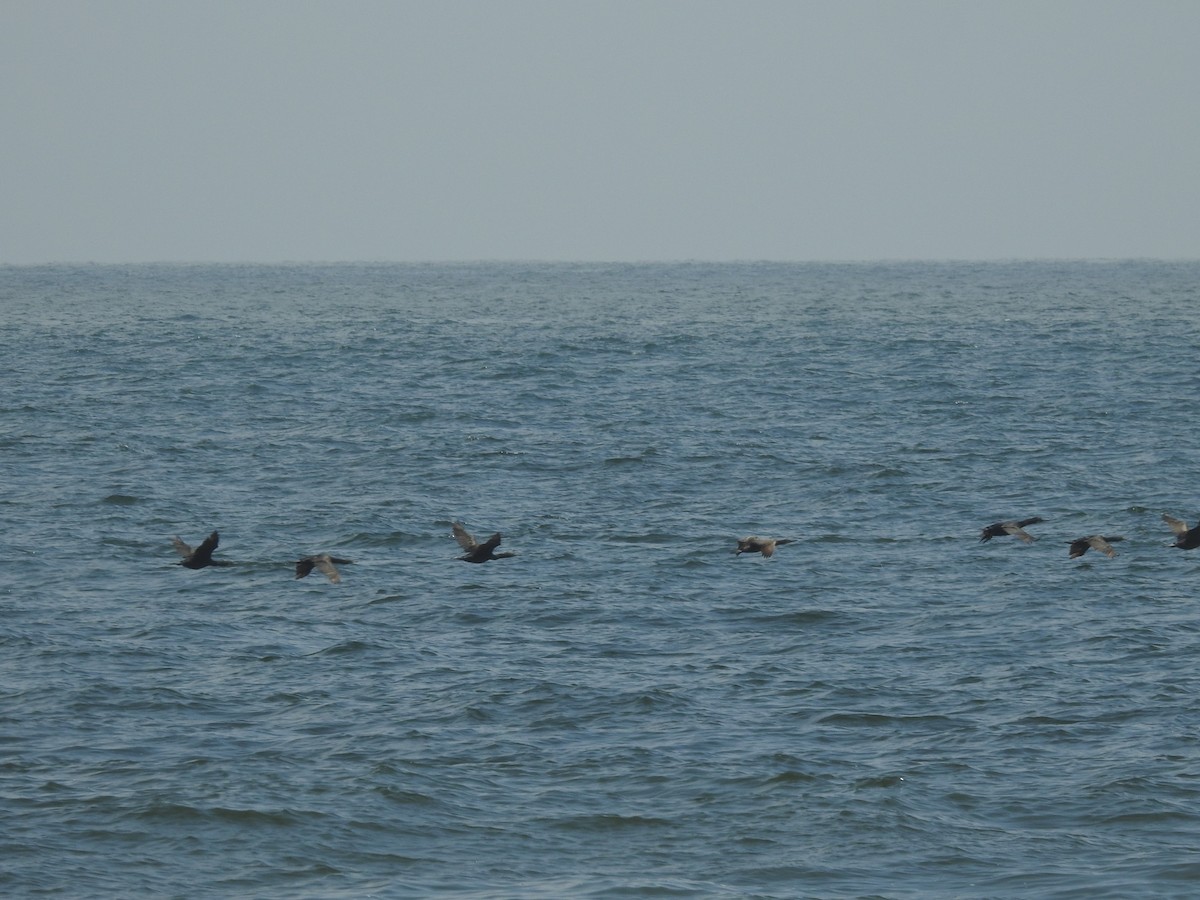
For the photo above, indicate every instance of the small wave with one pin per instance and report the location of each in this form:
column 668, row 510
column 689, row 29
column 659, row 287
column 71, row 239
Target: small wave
column 258, row 817
column 1166, row 816
column 407, row 798
column 623, row 460
column 387, row 598
column 344, row 648
column 799, row 617
column 877, row 720
column 653, row 537
column 184, row 813
column 612, row 822
column 791, row 776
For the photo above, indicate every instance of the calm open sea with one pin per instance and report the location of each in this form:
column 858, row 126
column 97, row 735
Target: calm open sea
column 886, row 708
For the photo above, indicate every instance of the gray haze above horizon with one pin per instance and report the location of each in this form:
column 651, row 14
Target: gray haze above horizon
column 653, row 130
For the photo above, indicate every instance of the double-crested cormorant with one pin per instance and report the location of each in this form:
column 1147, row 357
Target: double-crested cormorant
column 1185, row 538
column 478, row 553
column 1017, row 529
column 1095, row 542
column 765, row 546
column 202, row 555
column 324, row 562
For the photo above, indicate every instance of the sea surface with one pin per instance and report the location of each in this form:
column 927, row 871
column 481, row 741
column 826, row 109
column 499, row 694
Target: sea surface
column 886, row 708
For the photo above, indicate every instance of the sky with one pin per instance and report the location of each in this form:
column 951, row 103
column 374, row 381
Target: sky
column 597, row 130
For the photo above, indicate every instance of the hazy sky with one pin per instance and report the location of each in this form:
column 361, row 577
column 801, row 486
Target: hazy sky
column 268, row 130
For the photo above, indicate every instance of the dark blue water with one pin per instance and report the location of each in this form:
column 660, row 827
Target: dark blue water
column 885, row 708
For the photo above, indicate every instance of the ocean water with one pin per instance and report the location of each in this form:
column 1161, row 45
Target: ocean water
column 886, row 708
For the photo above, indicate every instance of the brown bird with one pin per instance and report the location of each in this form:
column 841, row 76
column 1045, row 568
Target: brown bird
column 1095, row 542
column 202, row 555
column 324, row 562
column 765, row 546
column 478, row 553
column 1017, row 529
column 1185, row 538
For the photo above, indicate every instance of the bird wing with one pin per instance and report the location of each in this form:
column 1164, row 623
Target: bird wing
column 1177, row 525
column 1017, row 531
column 768, row 548
column 1097, row 542
column 207, row 546
column 304, row 566
column 490, row 544
column 463, row 537
column 1080, row 547
column 326, row 565
column 180, row 547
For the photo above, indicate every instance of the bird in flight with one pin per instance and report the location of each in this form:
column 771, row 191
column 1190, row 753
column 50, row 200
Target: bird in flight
column 202, row 555
column 476, row 552
column 323, row 562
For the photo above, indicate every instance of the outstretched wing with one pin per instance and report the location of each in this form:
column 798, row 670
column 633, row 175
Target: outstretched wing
column 304, row 566
column 490, row 544
column 1177, row 525
column 464, row 538
column 1017, row 531
column 1099, row 543
column 207, row 546
column 180, row 547
column 326, row 565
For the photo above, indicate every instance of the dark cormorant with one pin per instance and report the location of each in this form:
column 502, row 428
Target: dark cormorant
column 1185, row 538
column 1017, row 529
column 324, row 562
column 202, row 555
column 478, row 553
column 765, row 546
column 1095, row 542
